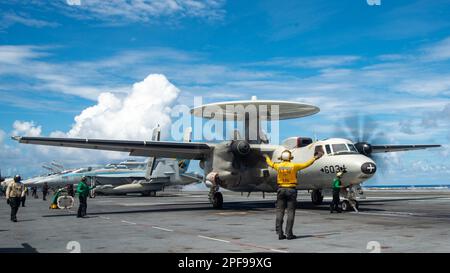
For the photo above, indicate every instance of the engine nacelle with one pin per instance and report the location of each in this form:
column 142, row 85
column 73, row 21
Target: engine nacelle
column 364, row 148
column 240, row 148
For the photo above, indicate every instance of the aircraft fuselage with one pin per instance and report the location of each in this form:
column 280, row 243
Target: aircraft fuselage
column 252, row 173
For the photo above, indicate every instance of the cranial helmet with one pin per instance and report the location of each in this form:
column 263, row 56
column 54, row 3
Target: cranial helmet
column 17, row 178
column 84, row 179
column 339, row 174
column 286, row 155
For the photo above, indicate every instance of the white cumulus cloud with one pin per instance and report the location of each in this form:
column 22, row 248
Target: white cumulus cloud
column 130, row 117
column 27, row 128
column 133, row 117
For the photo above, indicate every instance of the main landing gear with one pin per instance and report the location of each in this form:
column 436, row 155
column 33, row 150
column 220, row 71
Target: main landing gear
column 317, row 197
column 215, row 197
column 150, row 193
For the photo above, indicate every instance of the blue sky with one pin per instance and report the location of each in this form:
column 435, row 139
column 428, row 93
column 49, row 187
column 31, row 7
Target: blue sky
column 388, row 62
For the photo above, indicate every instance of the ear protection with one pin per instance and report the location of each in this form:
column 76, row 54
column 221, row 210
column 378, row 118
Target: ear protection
column 286, row 155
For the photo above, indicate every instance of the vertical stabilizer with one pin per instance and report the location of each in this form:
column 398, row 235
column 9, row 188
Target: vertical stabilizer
column 156, row 136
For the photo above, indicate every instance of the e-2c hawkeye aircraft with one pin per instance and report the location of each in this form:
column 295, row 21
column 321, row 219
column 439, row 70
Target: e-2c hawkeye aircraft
column 239, row 164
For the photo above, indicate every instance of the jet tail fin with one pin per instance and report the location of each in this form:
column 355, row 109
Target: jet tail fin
column 156, row 136
column 49, row 168
column 58, row 167
column 187, row 136
column 184, row 164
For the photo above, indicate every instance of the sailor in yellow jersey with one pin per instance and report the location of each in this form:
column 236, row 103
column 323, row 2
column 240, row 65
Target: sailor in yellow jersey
column 14, row 194
column 287, row 192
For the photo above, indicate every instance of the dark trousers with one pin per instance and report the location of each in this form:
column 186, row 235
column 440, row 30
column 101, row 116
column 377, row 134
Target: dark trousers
column 14, row 202
column 23, row 199
column 336, row 200
column 44, row 195
column 83, row 206
column 286, row 199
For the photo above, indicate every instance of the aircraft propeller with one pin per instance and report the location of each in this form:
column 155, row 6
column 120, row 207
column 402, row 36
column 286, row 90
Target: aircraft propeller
column 365, row 132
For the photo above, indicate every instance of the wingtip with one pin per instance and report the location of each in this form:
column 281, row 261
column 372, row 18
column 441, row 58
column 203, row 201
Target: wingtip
column 16, row 138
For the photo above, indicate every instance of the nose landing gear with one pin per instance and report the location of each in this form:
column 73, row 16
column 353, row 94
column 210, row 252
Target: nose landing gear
column 348, row 205
column 350, row 195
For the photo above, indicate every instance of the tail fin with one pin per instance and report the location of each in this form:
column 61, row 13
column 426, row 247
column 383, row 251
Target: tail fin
column 184, row 163
column 49, row 168
column 236, row 135
column 156, row 136
column 58, row 166
column 263, row 137
column 187, row 136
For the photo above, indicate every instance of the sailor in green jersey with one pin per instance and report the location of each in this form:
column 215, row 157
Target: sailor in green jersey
column 337, row 186
column 83, row 192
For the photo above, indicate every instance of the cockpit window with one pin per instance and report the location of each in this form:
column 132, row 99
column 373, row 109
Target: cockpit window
column 352, row 148
column 318, row 150
column 328, row 148
column 343, row 148
column 339, row 148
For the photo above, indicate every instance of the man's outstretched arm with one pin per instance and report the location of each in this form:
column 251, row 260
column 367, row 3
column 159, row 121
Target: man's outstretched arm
column 270, row 162
column 301, row 166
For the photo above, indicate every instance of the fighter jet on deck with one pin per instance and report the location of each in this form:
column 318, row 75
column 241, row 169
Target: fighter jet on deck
column 129, row 176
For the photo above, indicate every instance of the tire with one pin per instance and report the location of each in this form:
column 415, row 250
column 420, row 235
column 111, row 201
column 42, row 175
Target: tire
column 316, row 197
column 345, row 205
column 217, row 200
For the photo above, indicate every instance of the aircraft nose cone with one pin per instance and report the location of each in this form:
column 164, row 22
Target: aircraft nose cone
column 369, row 168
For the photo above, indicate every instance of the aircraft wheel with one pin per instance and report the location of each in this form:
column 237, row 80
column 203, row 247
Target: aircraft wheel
column 153, row 193
column 217, row 200
column 316, row 197
column 345, row 205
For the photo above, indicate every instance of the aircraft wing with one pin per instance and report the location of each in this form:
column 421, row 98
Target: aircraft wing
column 180, row 150
column 399, row 148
